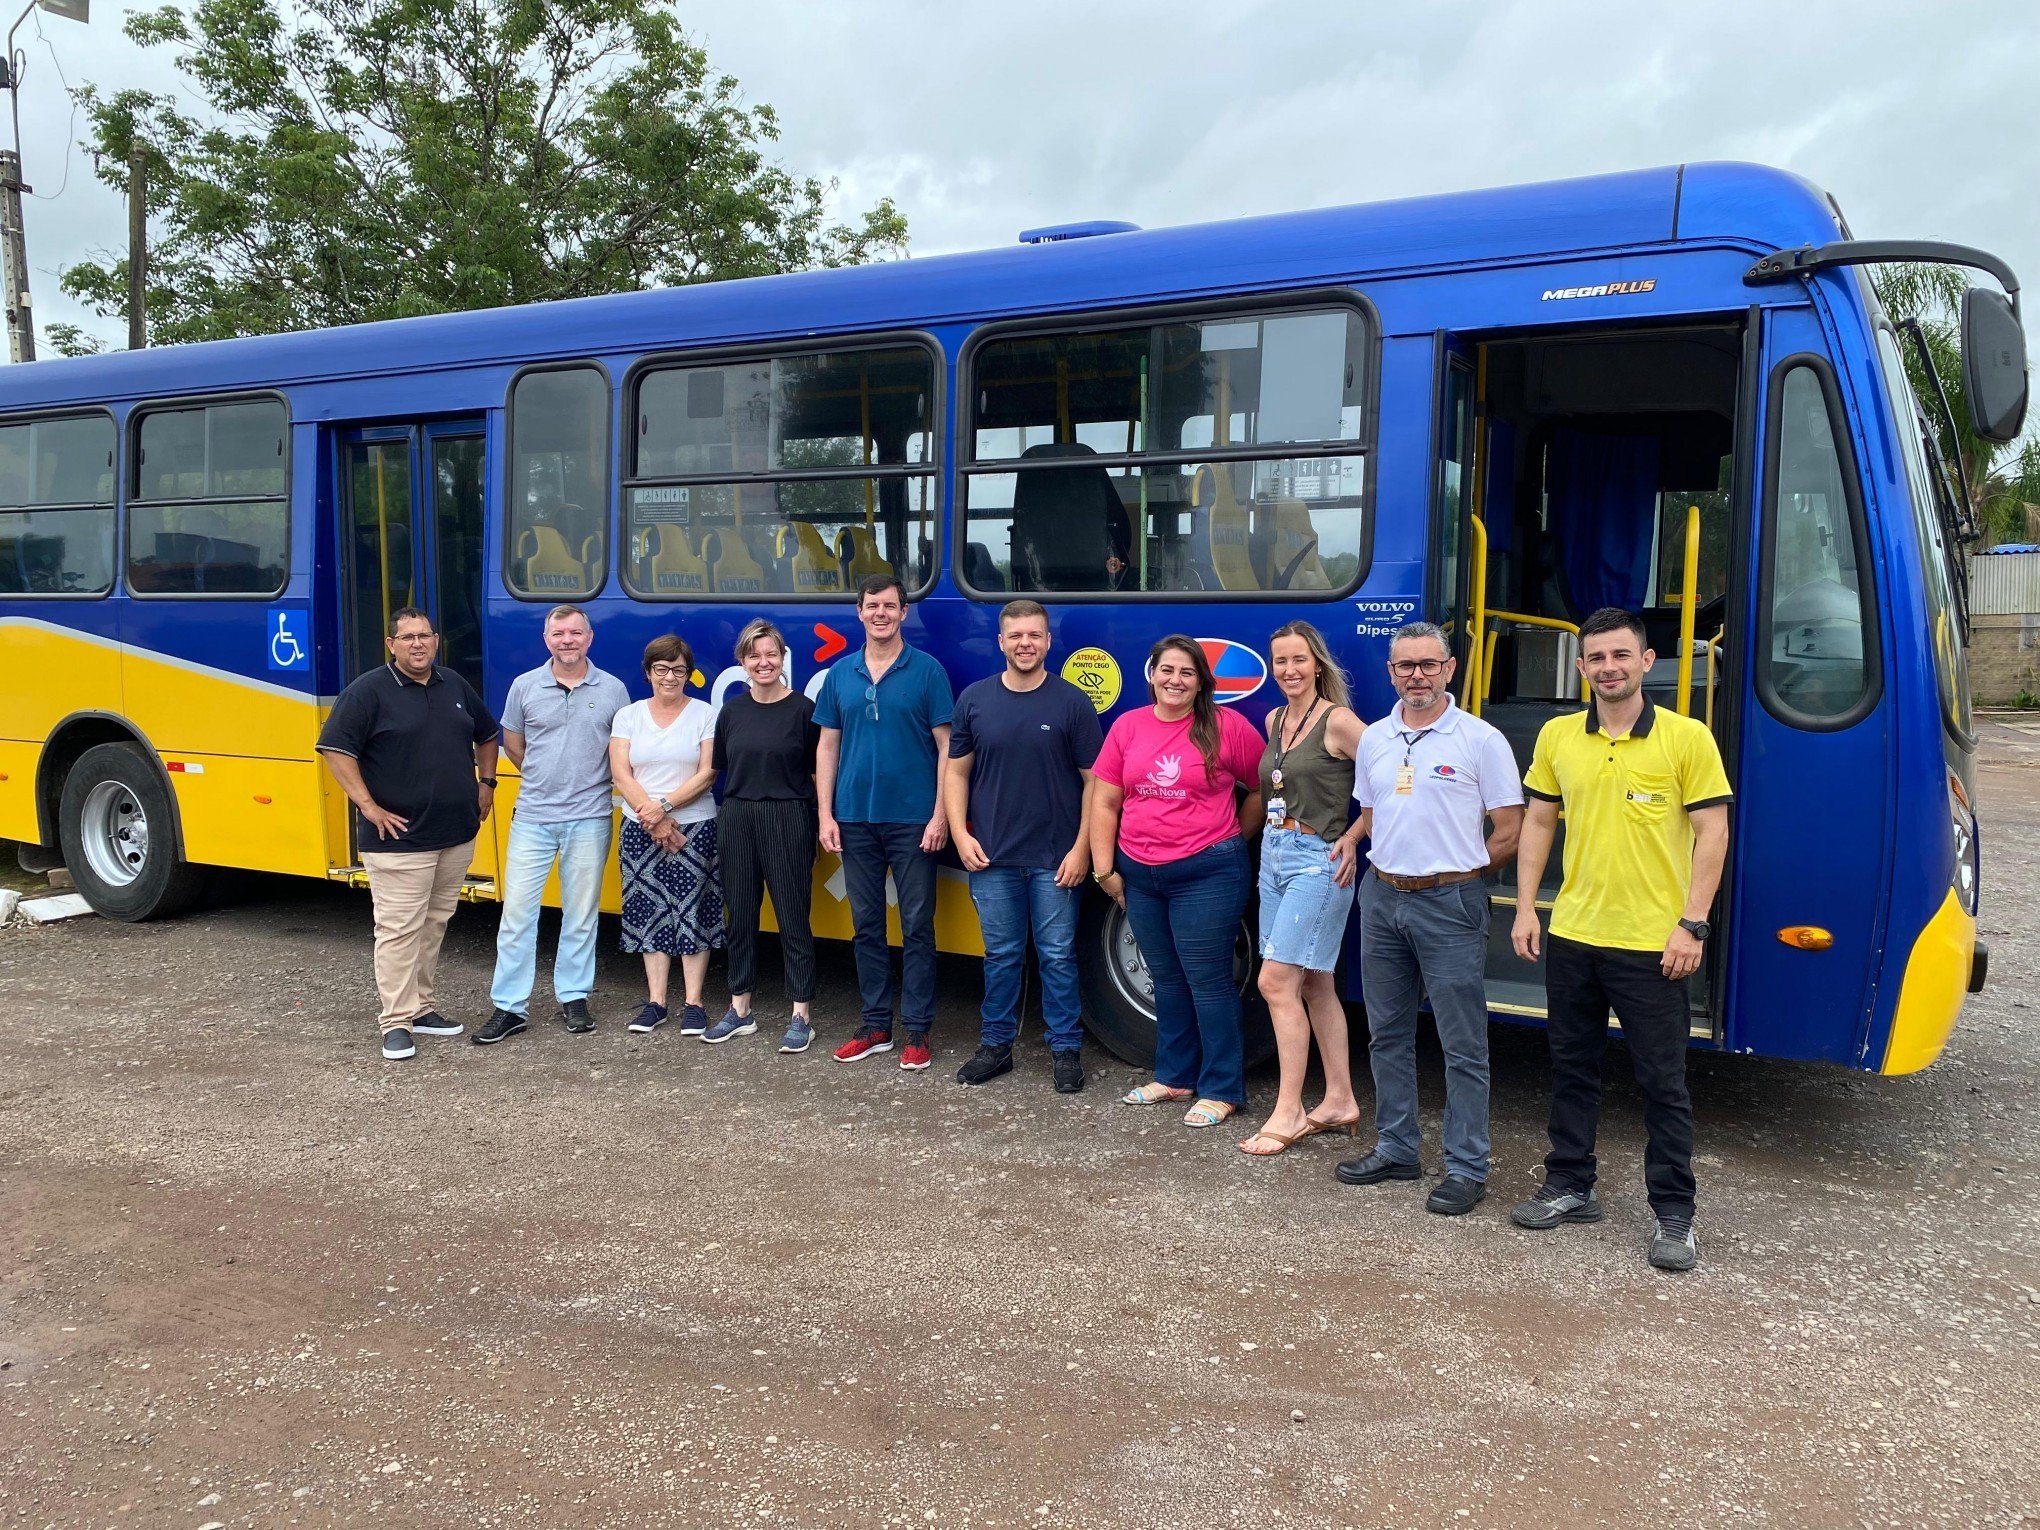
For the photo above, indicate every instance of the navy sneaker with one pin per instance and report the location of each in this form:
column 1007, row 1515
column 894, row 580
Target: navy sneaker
column 649, row 1019
column 800, row 1035
column 731, row 1024
column 1069, row 1072
column 504, row 1022
column 397, row 1045
column 693, row 1019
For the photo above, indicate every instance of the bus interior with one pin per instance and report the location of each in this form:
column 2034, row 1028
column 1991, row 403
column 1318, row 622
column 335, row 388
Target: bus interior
column 1601, row 465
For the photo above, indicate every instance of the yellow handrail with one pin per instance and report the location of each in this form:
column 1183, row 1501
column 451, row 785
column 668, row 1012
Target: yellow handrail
column 1524, row 619
column 1473, row 693
column 1520, row 620
column 1689, row 594
column 1713, row 650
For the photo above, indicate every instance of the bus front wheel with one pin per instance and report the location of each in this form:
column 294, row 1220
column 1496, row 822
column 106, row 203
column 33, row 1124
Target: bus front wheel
column 1119, row 992
column 115, row 825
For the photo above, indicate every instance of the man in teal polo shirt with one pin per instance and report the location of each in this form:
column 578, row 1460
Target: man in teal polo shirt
column 884, row 718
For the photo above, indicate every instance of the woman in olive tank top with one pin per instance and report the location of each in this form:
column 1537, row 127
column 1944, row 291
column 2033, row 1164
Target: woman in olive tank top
column 1309, row 854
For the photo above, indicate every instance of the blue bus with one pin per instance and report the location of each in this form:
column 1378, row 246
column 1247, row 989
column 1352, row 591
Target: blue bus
column 1670, row 389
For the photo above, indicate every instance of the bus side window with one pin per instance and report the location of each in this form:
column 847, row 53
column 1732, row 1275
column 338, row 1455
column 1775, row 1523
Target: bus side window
column 1816, row 614
column 209, row 513
column 56, row 506
column 559, row 483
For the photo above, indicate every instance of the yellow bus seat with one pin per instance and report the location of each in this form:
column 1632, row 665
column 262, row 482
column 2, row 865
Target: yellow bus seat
column 1293, row 562
column 857, row 553
column 1225, row 529
column 671, row 563
column 800, row 545
column 549, row 564
column 732, row 569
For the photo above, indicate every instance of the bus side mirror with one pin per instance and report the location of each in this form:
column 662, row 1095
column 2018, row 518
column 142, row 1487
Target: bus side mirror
column 1993, row 364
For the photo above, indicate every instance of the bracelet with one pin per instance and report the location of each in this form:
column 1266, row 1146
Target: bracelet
column 486, row 780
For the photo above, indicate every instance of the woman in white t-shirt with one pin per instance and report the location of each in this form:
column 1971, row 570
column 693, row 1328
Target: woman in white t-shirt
column 660, row 761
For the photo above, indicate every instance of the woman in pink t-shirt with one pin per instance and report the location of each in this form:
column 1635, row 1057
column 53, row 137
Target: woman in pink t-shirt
column 1168, row 819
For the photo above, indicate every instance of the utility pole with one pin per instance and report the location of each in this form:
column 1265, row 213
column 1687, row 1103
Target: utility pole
column 138, row 245
column 13, row 247
column 14, row 257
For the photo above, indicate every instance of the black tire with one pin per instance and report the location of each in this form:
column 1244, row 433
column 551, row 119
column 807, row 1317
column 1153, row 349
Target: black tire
column 116, row 824
column 1118, row 1007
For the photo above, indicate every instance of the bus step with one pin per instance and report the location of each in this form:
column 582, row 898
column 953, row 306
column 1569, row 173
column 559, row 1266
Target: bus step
column 472, row 890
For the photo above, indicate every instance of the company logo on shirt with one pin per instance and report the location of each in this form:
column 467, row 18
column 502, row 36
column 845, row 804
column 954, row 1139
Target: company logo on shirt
column 1445, row 772
column 1168, row 770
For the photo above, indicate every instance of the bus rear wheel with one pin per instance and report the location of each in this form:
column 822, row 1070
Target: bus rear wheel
column 114, row 823
column 1119, row 993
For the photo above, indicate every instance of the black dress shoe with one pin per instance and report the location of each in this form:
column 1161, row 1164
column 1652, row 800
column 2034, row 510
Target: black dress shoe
column 1373, row 1169
column 1456, row 1196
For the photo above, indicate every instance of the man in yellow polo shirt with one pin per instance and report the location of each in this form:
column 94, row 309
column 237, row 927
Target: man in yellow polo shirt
column 1646, row 826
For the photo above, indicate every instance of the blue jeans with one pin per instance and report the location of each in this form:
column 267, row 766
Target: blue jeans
column 869, row 851
column 1433, row 942
column 581, row 848
column 1010, row 901
column 1186, row 916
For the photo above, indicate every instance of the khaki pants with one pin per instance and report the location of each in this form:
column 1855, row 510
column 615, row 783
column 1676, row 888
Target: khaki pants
column 414, row 892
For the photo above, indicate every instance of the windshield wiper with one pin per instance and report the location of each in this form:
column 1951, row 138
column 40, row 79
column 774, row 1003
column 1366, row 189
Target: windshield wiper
column 1954, row 504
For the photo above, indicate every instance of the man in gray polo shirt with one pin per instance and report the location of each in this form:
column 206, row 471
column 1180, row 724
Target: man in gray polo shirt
column 1427, row 777
column 556, row 732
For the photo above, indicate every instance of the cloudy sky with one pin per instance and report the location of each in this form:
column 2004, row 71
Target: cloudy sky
column 1923, row 120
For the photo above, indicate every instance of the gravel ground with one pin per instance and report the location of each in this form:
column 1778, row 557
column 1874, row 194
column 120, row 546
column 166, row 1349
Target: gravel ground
column 251, row 1273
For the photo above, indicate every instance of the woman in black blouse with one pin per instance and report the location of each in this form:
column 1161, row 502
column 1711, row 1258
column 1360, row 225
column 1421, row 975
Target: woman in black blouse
column 764, row 750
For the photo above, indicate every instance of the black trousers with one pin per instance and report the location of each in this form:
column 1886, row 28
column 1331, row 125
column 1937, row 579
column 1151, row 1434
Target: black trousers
column 1582, row 984
column 769, row 846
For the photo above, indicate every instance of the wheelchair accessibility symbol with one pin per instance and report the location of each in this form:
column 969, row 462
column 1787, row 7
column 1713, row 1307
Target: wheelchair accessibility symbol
column 286, row 647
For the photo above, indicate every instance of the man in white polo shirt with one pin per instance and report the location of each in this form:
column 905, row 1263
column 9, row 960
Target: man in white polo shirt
column 1428, row 775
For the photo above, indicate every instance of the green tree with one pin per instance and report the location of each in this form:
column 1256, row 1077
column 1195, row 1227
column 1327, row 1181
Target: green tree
column 372, row 159
column 2004, row 479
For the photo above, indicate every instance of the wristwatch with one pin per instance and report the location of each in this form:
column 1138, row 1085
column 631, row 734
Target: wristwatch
column 486, row 780
column 1100, row 876
column 1699, row 929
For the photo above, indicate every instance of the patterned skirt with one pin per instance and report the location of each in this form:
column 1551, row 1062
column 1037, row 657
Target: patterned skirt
column 671, row 903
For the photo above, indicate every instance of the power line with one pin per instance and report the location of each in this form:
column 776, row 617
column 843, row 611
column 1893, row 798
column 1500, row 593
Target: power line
column 71, row 130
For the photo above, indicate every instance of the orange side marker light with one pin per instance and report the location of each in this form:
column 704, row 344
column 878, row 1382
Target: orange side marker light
column 265, row 801
column 1806, row 937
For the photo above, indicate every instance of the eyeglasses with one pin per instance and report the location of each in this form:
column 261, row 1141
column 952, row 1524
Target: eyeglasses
column 667, row 672
column 1404, row 668
column 871, row 700
column 415, row 637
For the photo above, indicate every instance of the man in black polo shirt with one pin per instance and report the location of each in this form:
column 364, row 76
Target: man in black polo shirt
column 414, row 748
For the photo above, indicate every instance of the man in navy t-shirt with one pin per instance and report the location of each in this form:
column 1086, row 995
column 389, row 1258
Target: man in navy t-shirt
column 1018, row 792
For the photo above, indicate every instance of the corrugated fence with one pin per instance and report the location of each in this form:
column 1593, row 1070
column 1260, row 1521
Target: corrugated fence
column 2005, row 584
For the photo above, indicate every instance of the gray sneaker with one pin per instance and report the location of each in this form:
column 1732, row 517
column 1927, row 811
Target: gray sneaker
column 1673, row 1246
column 1553, row 1205
column 799, row 1035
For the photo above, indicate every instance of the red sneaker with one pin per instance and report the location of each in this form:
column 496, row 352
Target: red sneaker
column 864, row 1044
column 915, row 1055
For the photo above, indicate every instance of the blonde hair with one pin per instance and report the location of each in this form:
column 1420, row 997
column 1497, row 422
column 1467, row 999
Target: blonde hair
column 1331, row 680
column 757, row 627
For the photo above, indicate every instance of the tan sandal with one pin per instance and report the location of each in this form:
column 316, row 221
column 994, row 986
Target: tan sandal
column 1208, row 1113
column 1282, row 1144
